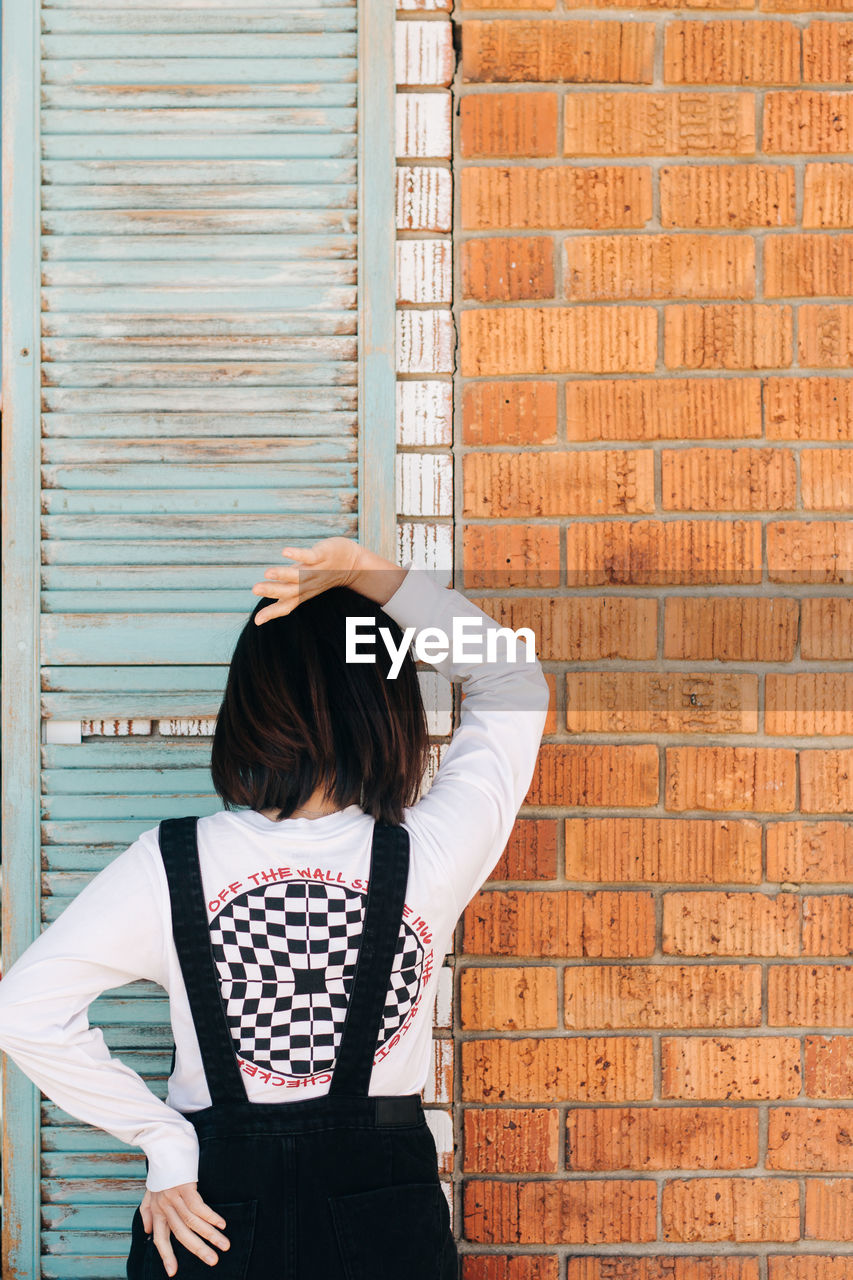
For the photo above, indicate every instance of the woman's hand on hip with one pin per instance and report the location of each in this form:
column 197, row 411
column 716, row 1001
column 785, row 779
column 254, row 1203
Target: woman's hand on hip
column 181, row 1211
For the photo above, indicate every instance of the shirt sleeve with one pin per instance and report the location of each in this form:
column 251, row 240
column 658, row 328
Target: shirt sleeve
column 112, row 933
column 469, row 811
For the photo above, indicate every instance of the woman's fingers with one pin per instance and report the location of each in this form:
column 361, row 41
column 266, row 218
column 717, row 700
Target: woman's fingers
column 328, row 563
column 287, row 573
column 163, row 1245
column 273, row 611
column 145, row 1213
column 207, row 1215
column 288, row 598
column 288, row 594
column 193, row 1228
column 308, row 554
column 278, row 590
column 181, row 1212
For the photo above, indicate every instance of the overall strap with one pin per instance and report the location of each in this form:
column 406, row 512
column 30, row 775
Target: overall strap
column 190, row 929
column 383, row 916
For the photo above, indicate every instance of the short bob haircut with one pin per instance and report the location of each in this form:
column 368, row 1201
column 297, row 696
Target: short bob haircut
column 296, row 716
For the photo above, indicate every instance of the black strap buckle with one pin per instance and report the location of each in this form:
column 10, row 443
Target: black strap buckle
column 404, row 1109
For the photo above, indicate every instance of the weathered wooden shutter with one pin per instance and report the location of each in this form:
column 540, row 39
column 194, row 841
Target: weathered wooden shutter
column 200, row 345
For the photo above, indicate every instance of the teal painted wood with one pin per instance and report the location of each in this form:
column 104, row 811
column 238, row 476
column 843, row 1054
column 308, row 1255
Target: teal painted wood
column 208, row 265
column 19, row 710
column 189, row 20
column 376, row 277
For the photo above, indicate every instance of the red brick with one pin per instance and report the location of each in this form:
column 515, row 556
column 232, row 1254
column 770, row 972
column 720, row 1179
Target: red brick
column 716, row 479
column 809, row 122
column 759, row 779
column 503, row 1140
column 557, row 1212
column 743, row 1210
column 813, row 1139
column 507, row 268
column 728, row 195
column 562, row 197
column 828, row 925
column 581, row 628
column 645, row 1138
column 662, row 408
column 797, row 6
column 730, row 628
column 508, row 999
column 662, row 995
column 508, row 124
column 810, row 995
column 551, row 483
column 828, row 52
column 495, row 1266
column 578, row 51
column 810, row 551
column 509, row 413
column 659, row 124
column 530, row 853
column 618, row 925
column 728, row 336
column 731, row 924
column 807, row 264
column 809, row 702
column 826, row 781
column 812, row 408
column 737, row 1069
column 817, row 1267
column 732, row 52
column 574, row 339
column 827, row 627
column 558, row 1069
column 571, row 774
column 508, row 4
column 828, row 195
column 559, row 922
column 663, row 551
column 829, row 1209
column 660, row 1268
column 810, row 852
column 661, row 702
column 663, row 850
column 826, row 335
column 829, row 1066
column 659, row 266
column 660, row 4
column 827, row 475
column 511, row 555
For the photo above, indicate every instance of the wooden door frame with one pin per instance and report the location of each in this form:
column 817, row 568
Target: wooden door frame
column 19, row 649
column 377, row 275
column 20, row 718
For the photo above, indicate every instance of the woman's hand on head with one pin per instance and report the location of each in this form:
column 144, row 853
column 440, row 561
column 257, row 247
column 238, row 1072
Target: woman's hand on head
column 181, row 1211
column 331, row 562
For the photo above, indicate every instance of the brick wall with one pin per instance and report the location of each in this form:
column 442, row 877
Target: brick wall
column 654, row 265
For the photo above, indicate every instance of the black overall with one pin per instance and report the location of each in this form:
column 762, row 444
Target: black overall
column 339, row 1187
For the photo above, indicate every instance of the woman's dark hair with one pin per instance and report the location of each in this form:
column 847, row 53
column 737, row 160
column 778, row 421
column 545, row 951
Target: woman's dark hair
column 296, row 716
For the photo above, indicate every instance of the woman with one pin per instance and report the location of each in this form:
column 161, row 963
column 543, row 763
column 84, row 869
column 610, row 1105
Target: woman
column 299, row 932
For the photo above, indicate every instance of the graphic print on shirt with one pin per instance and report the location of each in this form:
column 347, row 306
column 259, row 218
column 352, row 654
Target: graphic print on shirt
column 285, row 947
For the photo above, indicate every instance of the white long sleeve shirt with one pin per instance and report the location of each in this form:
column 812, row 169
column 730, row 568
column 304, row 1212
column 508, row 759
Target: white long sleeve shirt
column 118, row 929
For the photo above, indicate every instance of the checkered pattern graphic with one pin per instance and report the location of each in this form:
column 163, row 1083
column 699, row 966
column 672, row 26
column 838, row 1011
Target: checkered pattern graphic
column 286, row 955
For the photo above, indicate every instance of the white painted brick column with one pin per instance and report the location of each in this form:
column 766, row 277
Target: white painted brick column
column 425, row 61
column 425, row 340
